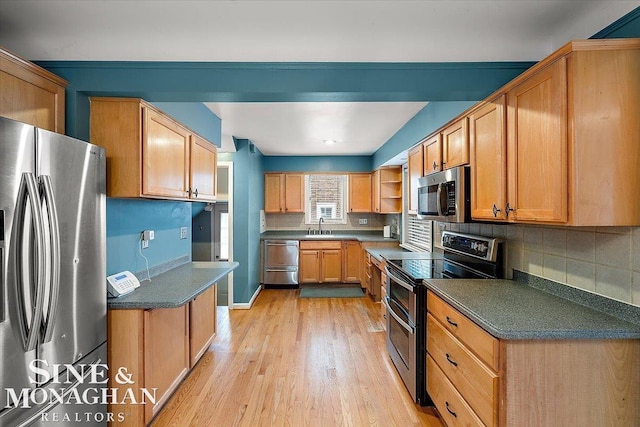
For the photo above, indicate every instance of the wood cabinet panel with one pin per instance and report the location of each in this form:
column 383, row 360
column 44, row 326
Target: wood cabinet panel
column 473, row 380
column 432, row 151
column 488, row 146
column 537, row 146
column 480, row 342
column 310, row 266
column 166, row 156
column 455, row 144
column 359, row 192
column 166, row 353
column 202, row 323
column 31, row 94
column 331, row 266
column 415, row 169
column 294, row 192
column 204, row 170
column 320, row 244
column 352, row 258
column 389, row 190
column 375, row 191
column 273, row 183
column 284, row 192
column 451, row 405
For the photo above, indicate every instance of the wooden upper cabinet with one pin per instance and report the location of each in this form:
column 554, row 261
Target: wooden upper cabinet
column 455, row 144
column 432, row 149
column 389, row 184
column 204, row 170
column 360, row 192
column 415, row 173
column 487, row 143
column 149, row 154
column 294, row 192
column 31, row 94
column 537, row 146
column 165, row 153
column 284, row 192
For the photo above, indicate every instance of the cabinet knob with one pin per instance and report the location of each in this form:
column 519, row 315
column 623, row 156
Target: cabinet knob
column 508, row 209
column 495, row 211
column 435, row 166
column 196, row 192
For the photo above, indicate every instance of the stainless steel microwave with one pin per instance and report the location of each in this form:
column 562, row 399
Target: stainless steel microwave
column 445, row 196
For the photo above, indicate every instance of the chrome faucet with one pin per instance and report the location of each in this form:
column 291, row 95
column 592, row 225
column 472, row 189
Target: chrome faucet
column 320, row 225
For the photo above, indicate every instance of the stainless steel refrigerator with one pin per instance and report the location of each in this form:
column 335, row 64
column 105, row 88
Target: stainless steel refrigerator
column 52, row 275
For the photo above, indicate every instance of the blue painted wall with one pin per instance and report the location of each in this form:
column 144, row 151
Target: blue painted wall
column 248, row 200
column 627, row 26
column 317, row 163
column 197, row 117
column 126, row 219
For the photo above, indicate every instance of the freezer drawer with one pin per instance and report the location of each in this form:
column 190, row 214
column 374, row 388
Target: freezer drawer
column 281, row 277
column 280, row 254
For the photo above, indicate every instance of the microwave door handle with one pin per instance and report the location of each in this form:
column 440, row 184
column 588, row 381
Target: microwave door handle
column 438, row 198
column 53, row 257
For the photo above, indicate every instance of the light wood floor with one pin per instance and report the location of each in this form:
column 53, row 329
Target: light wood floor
column 293, row 361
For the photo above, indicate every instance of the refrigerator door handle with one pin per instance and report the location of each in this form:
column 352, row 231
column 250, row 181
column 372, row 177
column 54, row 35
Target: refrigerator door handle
column 29, row 330
column 53, row 257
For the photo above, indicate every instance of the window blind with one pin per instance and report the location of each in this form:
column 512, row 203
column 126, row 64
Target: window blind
column 418, row 233
column 325, row 197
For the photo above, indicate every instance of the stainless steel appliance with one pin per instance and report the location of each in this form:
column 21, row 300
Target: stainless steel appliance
column 280, row 263
column 465, row 256
column 52, row 272
column 445, row 196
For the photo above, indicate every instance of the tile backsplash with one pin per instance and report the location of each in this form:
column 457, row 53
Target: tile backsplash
column 602, row 260
column 296, row 222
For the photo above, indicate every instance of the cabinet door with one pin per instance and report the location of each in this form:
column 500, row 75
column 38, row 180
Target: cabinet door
column 166, row 353
column 202, row 324
column 165, row 153
column 273, row 187
column 455, row 143
column 203, row 169
column 415, row 173
column 310, row 266
column 331, row 266
column 351, row 254
column 432, row 154
column 488, row 145
column 294, row 192
column 537, row 146
column 360, row 192
column 375, row 191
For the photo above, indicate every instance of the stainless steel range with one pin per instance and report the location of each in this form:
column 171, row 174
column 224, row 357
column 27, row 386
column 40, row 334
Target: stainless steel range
column 465, row 256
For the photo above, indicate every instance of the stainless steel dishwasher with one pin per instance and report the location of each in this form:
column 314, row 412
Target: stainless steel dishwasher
column 280, row 262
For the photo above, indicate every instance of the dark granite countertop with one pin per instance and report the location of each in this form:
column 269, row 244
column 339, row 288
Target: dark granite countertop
column 361, row 236
column 174, row 288
column 511, row 310
column 400, row 253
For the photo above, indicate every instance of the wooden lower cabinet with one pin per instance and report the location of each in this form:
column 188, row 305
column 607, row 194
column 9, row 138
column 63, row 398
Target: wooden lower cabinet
column 157, row 347
column 351, row 260
column 496, row 382
column 202, row 323
column 320, row 261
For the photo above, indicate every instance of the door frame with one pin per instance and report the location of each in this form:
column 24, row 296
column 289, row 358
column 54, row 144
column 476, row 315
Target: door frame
column 229, row 166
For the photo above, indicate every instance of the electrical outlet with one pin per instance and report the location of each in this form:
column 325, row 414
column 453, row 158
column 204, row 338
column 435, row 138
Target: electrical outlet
column 362, row 221
column 148, row 235
column 183, row 232
column 145, row 244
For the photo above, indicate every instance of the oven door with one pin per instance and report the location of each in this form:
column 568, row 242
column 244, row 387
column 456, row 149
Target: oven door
column 401, row 329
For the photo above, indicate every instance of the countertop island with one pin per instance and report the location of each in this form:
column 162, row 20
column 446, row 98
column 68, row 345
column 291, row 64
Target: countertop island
column 174, row 288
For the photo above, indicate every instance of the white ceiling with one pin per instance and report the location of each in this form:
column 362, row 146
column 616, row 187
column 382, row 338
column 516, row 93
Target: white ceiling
column 303, row 30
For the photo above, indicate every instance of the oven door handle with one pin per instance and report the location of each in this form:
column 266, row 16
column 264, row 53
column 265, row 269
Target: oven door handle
column 402, row 323
column 400, row 282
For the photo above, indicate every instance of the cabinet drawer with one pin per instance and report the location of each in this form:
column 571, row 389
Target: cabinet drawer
column 320, row 244
column 474, row 337
column 451, row 406
column 473, row 380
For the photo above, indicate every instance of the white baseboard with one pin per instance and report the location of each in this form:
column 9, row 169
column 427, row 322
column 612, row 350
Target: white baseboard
column 247, row 305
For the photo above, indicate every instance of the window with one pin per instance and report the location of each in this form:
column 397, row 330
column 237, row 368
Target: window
column 417, row 232
column 325, row 198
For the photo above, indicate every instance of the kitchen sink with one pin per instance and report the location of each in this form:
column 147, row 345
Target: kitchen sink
column 321, row 236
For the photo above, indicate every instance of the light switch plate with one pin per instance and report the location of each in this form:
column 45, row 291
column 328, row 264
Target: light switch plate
column 362, row 221
column 183, row 232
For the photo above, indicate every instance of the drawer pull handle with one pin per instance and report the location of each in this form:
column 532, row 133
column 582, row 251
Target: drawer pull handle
column 450, row 411
column 451, row 322
column 451, row 361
